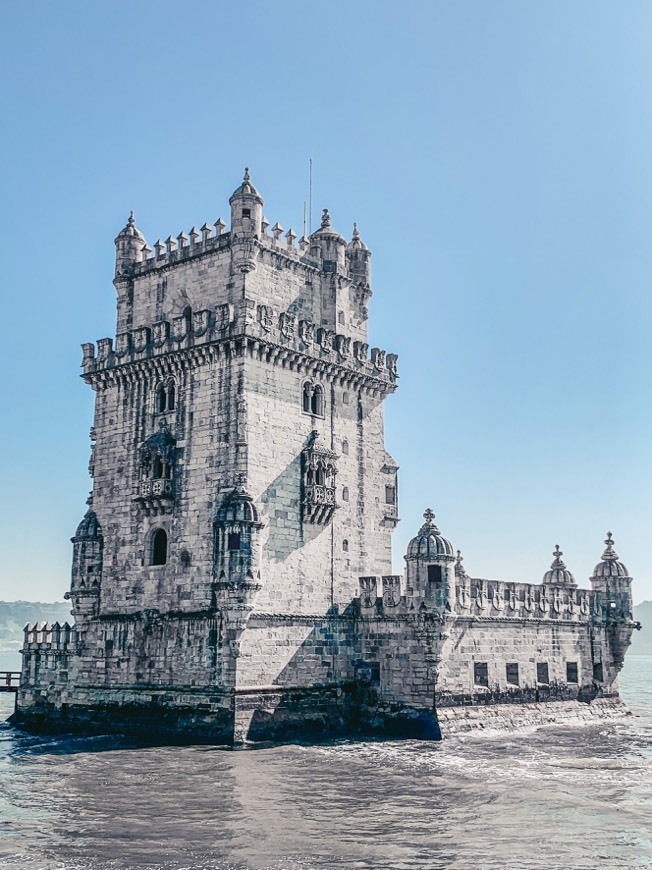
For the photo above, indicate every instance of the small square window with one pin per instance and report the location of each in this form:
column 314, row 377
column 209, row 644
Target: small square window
column 246, row 212
column 434, row 573
column 511, row 671
column 571, row 672
column 481, row 673
column 542, row 672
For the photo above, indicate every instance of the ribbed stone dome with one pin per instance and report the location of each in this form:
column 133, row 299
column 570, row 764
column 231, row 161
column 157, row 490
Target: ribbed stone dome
column 89, row 527
column 558, row 572
column 131, row 230
column 610, row 566
column 238, row 507
column 327, row 230
column 429, row 543
column 356, row 243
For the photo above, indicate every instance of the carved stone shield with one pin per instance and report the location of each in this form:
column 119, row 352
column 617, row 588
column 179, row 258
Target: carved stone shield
column 368, row 592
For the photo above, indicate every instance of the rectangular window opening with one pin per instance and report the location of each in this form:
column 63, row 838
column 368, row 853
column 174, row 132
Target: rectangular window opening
column 234, row 541
column 598, row 673
column 434, row 573
column 481, row 673
column 390, row 495
column 542, row 672
column 571, row 672
column 511, row 671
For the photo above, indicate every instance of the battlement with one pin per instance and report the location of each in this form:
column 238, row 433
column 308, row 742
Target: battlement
column 198, row 243
column 280, row 329
column 476, row 597
column 49, row 637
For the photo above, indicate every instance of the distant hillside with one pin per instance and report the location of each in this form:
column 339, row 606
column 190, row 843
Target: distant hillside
column 14, row 615
column 642, row 640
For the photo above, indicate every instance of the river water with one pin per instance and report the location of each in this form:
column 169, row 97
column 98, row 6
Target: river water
column 571, row 797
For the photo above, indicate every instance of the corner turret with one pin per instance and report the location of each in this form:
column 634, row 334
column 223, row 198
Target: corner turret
column 327, row 245
column 88, row 544
column 129, row 245
column 246, row 210
column 430, row 569
column 611, row 579
column 357, row 258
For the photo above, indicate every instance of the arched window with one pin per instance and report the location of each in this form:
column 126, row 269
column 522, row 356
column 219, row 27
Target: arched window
column 312, row 401
column 340, row 318
column 307, row 397
column 317, row 403
column 165, row 397
column 345, row 493
column 159, row 547
column 345, row 447
column 345, row 546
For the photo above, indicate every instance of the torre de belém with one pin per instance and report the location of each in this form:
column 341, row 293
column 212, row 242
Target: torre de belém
column 232, row 578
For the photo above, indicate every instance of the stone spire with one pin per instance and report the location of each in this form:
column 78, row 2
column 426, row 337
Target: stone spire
column 460, row 570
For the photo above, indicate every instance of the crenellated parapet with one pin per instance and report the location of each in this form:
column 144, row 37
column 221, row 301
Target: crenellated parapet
column 49, row 637
column 268, row 329
column 480, row 598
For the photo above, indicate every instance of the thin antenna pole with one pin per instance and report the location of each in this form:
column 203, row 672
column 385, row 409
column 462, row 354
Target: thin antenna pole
column 310, row 200
column 304, row 218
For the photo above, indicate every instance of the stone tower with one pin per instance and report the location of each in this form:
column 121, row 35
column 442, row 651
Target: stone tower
column 240, row 479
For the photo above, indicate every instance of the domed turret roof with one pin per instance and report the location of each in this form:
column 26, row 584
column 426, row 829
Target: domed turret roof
column 246, row 189
column 88, row 528
column 610, row 566
column 356, row 243
column 558, row 572
column 131, row 230
column 429, row 544
column 327, row 230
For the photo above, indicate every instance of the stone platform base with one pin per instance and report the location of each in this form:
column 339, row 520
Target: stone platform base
column 264, row 716
column 504, row 717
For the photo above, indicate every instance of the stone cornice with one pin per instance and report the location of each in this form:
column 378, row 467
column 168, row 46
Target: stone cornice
column 367, row 377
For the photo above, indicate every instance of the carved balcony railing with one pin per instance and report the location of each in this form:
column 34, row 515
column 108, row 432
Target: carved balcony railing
column 159, row 488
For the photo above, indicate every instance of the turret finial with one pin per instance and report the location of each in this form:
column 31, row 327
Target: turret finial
column 132, row 219
column 247, row 177
column 429, row 516
column 609, row 553
column 325, row 219
column 557, row 562
column 356, row 234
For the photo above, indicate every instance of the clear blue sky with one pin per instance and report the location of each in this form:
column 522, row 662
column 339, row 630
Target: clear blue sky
column 497, row 157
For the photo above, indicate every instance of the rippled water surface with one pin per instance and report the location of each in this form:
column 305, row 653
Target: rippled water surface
column 551, row 798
